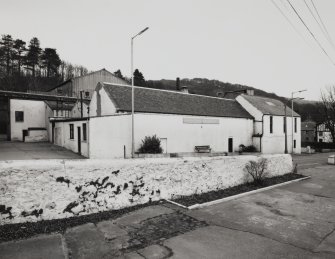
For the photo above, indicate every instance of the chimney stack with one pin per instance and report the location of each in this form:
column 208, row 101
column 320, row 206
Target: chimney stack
column 178, row 84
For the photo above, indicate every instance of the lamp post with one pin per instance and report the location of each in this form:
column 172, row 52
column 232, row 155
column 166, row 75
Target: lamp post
column 132, row 93
column 292, row 99
column 285, row 121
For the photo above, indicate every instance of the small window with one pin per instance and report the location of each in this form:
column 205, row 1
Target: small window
column 71, row 132
column 320, row 133
column 294, row 143
column 295, row 125
column 19, row 116
column 271, row 124
column 84, row 132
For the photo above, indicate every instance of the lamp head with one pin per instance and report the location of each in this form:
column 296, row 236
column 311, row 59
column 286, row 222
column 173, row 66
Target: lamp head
column 143, row 31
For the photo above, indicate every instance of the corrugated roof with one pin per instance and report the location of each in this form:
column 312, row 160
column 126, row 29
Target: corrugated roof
column 88, row 74
column 269, row 106
column 170, row 102
column 60, row 106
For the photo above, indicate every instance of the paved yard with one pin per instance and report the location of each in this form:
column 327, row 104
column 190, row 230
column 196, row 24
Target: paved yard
column 44, row 150
column 306, row 161
column 293, row 221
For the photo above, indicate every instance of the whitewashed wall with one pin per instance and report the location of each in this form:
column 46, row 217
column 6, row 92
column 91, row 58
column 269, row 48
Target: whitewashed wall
column 62, row 136
column 107, row 107
column 110, row 134
column 275, row 142
column 34, row 116
column 49, row 189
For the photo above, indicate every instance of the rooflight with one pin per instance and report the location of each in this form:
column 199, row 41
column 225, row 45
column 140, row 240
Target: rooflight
column 270, row 103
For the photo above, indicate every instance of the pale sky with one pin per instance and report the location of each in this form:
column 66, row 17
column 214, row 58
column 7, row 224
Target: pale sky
column 237, row 41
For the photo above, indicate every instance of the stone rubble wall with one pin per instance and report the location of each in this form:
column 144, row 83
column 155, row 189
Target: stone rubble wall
column 34, row 190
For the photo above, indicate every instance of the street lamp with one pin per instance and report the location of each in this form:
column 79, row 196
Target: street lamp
column 292, row 99
column 285, row 122
column 132, row 93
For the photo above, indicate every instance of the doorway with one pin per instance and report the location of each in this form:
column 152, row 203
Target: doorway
column 79, row 140
column 4, row 119
column 230, row 145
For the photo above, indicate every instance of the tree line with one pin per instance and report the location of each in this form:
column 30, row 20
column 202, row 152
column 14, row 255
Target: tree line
column 25, row 67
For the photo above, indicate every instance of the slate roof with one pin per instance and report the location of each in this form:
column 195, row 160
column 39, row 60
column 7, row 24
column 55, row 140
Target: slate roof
column 169, row 102
column 269, row 106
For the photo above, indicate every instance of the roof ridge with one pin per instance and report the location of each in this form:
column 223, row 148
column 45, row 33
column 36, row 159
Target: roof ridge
column 170, row 91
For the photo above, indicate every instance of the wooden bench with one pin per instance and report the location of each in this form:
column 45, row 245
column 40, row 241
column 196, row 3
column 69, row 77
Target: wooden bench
column 203, row 149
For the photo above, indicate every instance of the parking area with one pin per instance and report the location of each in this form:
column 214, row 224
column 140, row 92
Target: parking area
column 24, row 151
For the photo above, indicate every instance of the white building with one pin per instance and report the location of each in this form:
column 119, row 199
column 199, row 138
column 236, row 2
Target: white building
column 323, row 134
column 29, row 120
column 182, row 121
column 269, row 124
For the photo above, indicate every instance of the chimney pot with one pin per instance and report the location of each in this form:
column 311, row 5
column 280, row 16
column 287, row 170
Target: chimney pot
column 178, row 84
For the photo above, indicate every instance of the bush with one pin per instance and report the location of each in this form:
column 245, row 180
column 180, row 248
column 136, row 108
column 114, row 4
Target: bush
column 250, row 148
column 151, row 145
column 257, row 170
column 319, row 145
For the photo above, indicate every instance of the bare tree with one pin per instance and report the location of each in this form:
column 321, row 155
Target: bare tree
column 257, row 170
column 328, row 109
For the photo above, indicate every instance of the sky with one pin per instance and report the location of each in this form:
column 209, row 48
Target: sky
column 237, row 41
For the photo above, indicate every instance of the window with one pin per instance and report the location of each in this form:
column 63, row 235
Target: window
column 295, row 125
column 19, row 116
column 307, row 138
column 284, row 124
column 271, row 124
column 71, row 132
column 294, row 144
column 84, row 132
column 320, row 133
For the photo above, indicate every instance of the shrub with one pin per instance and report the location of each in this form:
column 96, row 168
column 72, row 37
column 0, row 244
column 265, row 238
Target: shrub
column 250, row 148
column 257, row 170
column 151, row 145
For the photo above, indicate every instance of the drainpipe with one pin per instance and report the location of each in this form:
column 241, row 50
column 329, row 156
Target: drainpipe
column 88, row 137
column 260, row 142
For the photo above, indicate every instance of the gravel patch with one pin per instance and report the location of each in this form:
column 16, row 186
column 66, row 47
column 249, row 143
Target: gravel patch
column 219, row 194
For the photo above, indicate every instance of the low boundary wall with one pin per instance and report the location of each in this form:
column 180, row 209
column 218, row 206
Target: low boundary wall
column 36, row 190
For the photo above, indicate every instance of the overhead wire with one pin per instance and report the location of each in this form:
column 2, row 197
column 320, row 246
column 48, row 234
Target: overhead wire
column 323, row 25
column 289, row 21
column 312, row 34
